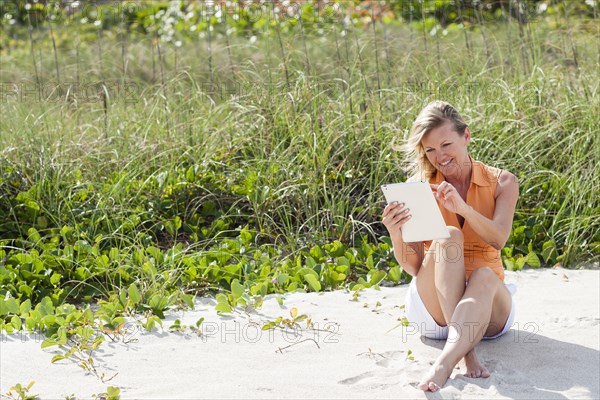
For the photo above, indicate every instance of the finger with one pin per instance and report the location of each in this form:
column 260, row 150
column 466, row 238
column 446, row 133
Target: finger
column 401, row 212
column 397, row 225
column 440, row 189
column 391, row 207
column 392, row 224
column 389, row 219
column 447, row 188
column 392, row 221
column 402, row 216
column 405, row 219
column 387, row 209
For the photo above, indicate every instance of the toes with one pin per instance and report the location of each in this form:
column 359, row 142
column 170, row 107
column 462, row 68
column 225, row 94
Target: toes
column 428, row 386
column 484, row 373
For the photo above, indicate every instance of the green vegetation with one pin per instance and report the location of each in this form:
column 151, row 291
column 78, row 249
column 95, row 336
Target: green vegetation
column 137, row 172
column 20, row 392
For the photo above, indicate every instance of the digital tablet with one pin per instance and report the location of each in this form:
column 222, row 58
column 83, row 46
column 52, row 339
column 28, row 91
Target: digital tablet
column 427, row 222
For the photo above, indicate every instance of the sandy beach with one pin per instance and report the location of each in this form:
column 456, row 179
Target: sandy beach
column 355, row 349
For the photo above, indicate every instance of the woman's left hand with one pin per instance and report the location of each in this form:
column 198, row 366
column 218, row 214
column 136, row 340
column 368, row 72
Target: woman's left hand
column 449, row 198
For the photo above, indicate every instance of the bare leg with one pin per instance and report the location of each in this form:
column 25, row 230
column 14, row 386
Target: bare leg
column 445, row 269
column 482, row 310
column 450, row 273
column 441, row 279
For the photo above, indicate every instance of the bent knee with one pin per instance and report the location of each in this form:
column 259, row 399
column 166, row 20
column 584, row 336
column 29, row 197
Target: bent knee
column 452, row 248
column 456, row 234
column 484, row 276
column 456, row 237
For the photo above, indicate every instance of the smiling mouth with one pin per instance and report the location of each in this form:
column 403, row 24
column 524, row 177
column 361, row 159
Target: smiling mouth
column 446, row 163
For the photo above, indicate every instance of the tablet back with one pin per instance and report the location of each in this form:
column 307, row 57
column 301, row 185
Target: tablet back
column 427, row 222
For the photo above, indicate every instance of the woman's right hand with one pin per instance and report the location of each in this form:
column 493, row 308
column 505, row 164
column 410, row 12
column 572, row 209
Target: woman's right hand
column 394, row 216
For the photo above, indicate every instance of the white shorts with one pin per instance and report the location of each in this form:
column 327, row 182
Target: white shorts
column 417, row 314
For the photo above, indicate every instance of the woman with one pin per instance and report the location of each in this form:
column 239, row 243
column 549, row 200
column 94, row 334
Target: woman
column 457, row 292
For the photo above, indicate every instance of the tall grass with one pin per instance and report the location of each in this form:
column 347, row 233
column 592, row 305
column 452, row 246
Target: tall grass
column 295, row 144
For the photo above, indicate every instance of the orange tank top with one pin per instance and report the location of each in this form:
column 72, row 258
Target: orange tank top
column 480, row 196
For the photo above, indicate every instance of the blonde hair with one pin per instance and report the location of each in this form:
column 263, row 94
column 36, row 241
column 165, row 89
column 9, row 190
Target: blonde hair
column 432, row 116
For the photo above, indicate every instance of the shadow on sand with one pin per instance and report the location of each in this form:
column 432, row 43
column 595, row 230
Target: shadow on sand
column 533, row 365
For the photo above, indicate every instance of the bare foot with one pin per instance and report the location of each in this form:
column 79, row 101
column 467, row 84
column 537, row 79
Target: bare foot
column 474, row 368
column 435, row 378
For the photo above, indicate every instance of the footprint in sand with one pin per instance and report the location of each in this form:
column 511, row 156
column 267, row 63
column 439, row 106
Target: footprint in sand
column 395, row 359
column 380, row 379
column 355, row 379
column 391, row 369
column 509, row 376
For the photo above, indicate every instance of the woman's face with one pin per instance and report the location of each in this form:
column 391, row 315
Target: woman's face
column 446, row 150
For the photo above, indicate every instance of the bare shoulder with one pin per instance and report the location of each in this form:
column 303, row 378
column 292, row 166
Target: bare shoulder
column 508, row 184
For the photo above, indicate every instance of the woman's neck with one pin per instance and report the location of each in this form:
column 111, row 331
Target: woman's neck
column 463, row 179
